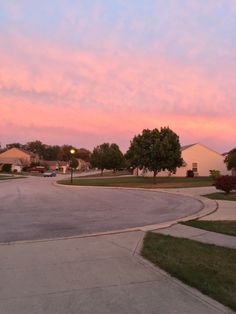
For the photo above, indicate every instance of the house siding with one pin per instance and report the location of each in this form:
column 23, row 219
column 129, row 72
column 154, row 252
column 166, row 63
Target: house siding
column 205, row 158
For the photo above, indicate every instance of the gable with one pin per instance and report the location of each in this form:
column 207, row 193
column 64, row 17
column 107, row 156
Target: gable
column 15, row 153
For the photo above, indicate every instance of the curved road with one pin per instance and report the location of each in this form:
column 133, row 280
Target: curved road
column 33, row 208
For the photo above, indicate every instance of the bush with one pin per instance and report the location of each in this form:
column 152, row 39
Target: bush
column 225, row 183
column 6, row 168
column 214, row 174
column 190, row 174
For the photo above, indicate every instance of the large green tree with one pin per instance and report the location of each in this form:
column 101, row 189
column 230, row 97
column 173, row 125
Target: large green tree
column 155, row 150
column 36, row 147
column 230, row 160
column 51, row 152
column 106, row 156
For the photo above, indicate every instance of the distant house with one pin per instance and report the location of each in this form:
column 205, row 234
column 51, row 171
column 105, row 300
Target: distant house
column 15, row 164
column 56, row 165
column 198, row 158
column 17, row 158
column 26, row 157
column 64, row 165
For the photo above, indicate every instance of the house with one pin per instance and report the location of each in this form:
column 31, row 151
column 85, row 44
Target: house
column 15, row 164
column 56, row 165
column 198, row 158
column 17, row 158
column 24, row 156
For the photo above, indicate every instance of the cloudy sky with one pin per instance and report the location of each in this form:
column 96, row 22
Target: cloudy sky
column 91, row 71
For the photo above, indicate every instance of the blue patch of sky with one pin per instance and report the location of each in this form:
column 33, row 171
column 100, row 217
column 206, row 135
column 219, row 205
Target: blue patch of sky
column 138, row 24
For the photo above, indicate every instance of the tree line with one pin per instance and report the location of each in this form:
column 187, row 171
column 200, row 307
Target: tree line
column 153, row 150
column 52, row 152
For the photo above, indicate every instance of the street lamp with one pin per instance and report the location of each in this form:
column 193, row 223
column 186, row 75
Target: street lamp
column 72, row 151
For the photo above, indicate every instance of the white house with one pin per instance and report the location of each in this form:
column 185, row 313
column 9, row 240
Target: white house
column 15, row 164
column 197, row 157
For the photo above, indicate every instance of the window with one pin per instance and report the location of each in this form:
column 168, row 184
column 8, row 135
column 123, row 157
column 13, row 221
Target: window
column 194, row 167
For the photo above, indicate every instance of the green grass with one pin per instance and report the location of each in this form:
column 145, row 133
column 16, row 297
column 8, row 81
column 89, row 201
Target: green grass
column 209, row 268
column 108, row 174
column 225, row 227
column 8, row 177
column 222, row 196
column 142, row 182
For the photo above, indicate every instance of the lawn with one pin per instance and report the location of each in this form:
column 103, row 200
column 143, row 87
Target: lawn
column 225, row 227
column 108, row 174
column 222, row 196
column 7, row 177
column 209, row 268
column 142, row 182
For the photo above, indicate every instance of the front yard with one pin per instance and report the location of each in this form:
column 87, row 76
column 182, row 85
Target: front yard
column 142, row 182
column 209, row 268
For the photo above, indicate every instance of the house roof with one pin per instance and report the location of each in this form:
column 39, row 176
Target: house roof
column 187, row 146
column 20, row 149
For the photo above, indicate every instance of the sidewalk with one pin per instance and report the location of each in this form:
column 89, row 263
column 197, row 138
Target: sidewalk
column 102, row 274
column 182, row 231
column 226, row 211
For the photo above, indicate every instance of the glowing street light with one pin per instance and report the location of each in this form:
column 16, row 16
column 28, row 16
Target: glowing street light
column 72, row 151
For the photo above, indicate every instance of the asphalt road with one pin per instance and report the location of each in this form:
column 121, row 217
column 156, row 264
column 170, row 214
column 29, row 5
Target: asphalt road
column 33, row 208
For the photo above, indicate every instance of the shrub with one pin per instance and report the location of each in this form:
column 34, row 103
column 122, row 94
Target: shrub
column 189, row 174
column 6, row 168
column 214, row 174
column 225, row 183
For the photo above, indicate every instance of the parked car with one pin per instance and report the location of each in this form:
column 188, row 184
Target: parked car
column 49, row 174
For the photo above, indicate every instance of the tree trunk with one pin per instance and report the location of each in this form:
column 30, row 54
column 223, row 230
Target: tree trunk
column 155, row 176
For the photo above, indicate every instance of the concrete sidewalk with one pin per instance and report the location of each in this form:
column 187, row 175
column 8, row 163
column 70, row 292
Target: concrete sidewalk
column 182, row 231
column 92, row 275
column 226, row 211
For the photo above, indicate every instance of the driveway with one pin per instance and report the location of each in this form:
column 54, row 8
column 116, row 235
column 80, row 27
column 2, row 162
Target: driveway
column 33, row 208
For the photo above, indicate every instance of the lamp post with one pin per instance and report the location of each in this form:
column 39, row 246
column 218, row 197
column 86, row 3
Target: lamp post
column 72, row 151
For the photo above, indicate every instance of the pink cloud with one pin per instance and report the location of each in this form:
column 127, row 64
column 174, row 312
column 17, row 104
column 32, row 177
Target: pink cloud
column 47, row 87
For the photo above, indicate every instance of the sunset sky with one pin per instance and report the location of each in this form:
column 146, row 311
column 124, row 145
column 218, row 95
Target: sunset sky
column 91, row 71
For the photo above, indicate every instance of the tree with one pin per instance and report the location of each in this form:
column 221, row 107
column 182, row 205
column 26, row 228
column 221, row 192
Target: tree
column 106, row 156
column 116, row 157
column 83, row 153
column 155, row 150
column 73, row 163
column 51, row 152
column 65, row 154
column 36, row 147
column 230, row 160
column 15, row 145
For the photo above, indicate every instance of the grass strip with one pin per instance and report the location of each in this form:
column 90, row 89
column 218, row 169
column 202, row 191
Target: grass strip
column 10, row 177
column 209, row 268
column 223, row 226
column 142, row 182
column 222, row 196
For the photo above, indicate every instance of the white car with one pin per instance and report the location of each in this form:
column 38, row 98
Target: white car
column 49, row 174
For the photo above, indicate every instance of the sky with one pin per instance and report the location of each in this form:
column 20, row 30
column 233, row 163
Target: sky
column 85, row 72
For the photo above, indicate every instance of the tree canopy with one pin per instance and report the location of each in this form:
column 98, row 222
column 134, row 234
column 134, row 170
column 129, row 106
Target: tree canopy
column 155, row 150
column 230, row 160
column 106, row 156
